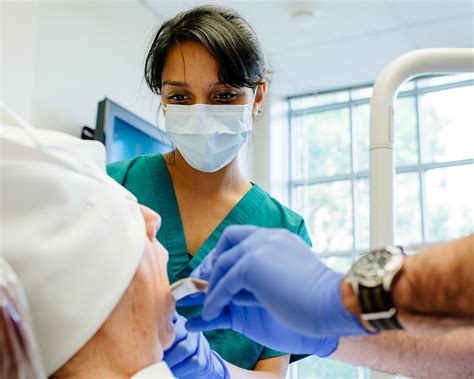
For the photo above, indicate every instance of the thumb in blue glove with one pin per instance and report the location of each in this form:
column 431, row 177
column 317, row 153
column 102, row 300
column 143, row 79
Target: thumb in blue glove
column 204, row 270
column 190, row 356
column 231, row 237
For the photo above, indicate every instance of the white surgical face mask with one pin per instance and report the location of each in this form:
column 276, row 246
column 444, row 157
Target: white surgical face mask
column 209, row 137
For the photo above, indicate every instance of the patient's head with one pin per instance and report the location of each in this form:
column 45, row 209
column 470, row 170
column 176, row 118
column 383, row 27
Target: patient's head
column 139, row 328
column 86, row 256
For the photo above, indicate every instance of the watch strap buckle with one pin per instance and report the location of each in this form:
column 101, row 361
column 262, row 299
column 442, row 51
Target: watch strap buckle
column 378, row 315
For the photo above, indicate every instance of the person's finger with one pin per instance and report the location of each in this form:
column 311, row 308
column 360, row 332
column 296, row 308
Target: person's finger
column 227, row 260
column 193, row 363
column 186, row 367
column 232, row 236
column 180, row 351
column 245, row 298
column 230, row 281
column 197, row 324
column 204, row 270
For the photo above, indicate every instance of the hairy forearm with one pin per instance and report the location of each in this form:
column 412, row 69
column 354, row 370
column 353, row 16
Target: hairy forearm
column 448, row 355
column 438, row 282
column 433, row 292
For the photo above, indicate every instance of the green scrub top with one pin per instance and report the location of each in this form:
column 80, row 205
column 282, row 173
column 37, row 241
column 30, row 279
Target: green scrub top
column 147, row 177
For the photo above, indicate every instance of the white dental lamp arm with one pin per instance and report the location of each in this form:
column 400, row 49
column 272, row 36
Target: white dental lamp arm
column 382, row 168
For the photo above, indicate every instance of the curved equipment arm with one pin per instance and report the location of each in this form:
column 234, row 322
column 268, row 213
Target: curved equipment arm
column 382, row 170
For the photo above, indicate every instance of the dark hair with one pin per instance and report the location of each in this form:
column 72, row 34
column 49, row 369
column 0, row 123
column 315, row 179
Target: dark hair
column 224, row 33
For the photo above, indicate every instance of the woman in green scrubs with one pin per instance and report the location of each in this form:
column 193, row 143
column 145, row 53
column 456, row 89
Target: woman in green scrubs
column 208, row 55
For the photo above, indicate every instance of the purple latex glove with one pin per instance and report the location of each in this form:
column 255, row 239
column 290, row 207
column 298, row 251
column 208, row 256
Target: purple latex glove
column 269, row 285
column 190, row 356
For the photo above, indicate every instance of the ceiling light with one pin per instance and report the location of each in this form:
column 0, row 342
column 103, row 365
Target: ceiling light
column 303, row 12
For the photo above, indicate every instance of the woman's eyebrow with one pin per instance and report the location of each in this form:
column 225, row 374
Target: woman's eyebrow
column 220, row 85
column 174, row 83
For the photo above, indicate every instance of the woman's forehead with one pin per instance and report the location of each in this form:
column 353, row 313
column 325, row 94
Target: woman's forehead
column 190, row 63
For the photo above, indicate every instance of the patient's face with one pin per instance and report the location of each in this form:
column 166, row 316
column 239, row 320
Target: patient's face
column 153, row 272
column 146, row 309
column 139, row 328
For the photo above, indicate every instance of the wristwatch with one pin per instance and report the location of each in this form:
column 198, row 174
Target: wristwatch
column 371, row 277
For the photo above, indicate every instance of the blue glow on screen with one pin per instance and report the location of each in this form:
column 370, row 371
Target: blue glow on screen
column 128, row 142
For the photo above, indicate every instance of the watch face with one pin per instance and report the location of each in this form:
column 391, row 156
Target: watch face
column 373, row 265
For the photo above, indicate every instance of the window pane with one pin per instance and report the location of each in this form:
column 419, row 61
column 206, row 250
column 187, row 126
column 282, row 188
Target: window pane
column 443, row 79
column 362, row 213
column 306, row 102
column 321, row 144
column 407, row 86
column 366, row 92
column 407, row 209
column 314, row 367
column 340, row 264
column 406, row 146
column 361, row 129
column 327, row 209
column 447, row 120
column 450, row 205
column 362, row 93
column 408, row 214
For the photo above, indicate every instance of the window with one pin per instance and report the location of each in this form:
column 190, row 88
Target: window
column 329, row 163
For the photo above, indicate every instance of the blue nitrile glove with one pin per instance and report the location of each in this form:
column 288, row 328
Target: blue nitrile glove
column 191, row 356
column 255, row 322
column 260, row 326
column 256, row 271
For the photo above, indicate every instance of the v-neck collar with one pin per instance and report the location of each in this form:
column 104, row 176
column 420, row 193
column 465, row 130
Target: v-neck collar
column 172, row 230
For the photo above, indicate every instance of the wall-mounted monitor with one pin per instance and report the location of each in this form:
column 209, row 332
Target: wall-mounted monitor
column 126, row 135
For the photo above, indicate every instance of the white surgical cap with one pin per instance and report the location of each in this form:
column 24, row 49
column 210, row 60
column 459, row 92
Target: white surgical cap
column 73, row 236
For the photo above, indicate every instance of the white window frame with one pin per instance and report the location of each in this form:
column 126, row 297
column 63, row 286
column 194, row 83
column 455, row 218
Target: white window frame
column 420, row 168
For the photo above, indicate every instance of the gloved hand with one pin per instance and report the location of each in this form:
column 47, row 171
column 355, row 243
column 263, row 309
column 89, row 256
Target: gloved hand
column 259, row 325
column 191, row 356
column 261, row 277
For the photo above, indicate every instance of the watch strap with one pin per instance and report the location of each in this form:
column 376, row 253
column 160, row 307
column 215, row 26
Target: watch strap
column 377, row 308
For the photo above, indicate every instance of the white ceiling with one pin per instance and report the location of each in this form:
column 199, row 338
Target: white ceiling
column 349, row 42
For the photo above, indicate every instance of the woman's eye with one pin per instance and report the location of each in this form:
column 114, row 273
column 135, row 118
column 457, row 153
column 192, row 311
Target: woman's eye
column 177, row 98
column 226, row 96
